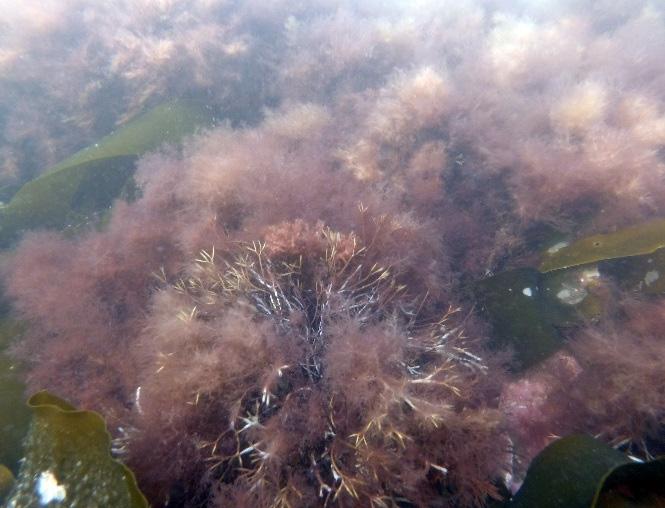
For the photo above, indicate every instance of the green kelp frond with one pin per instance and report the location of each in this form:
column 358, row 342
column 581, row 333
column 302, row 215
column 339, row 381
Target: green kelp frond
column 632, row 241
column 6, row 481
column 579, row 471
column 14, row 415
column 528, row 309
column 67, row 461
column 167, row 123
column 87, row 183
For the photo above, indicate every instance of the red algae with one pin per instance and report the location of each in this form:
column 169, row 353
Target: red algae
column 284, row 316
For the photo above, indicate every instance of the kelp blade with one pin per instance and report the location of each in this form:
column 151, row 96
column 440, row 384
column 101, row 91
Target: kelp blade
column 634, row 485
column 632, row 241
column 14, row 415
column 567, row 474
column 68, row 197
column 525, row 315
column 167, row 123
column 644, row 274
column 579, row 471
column 71, row 193
column 67, row 461
column 6, row 482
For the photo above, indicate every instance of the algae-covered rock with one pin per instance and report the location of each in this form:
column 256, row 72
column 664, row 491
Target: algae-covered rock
column 88, row 181
column 67, row 461
column 580, row 472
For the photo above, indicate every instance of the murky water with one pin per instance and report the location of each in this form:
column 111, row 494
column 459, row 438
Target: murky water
column 376, row 253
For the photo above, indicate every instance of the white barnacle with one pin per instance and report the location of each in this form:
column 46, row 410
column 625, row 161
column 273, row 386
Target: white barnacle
column 651, row 276
column 48, row 489
column 557, row 247
column 571, row 295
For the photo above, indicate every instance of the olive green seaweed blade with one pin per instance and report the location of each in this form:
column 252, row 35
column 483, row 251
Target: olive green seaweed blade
column 14, row 415
column 523, row 315
column 6, row 481
column 67, row 461
column 631, row 241
column 86, row 184
column 633, row 485
column 67, row 197
column 579, row 471
column 566, row 474
column 165, row 124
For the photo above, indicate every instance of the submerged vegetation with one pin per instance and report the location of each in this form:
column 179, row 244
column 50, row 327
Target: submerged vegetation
column 579, row 471
column 323, row 376
column 335, row 253
column 637, row 240
column 70, row 194
column 67, row 461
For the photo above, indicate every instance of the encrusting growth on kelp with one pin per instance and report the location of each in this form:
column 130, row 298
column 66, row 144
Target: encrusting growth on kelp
column 329, row 380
